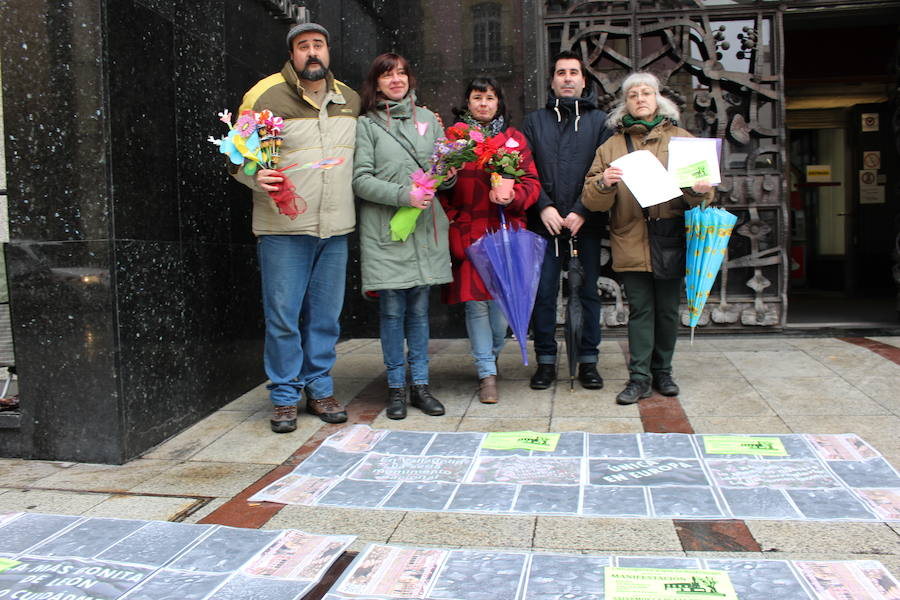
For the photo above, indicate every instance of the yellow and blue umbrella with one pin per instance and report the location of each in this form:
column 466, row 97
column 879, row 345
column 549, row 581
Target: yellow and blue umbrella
column 708, row 232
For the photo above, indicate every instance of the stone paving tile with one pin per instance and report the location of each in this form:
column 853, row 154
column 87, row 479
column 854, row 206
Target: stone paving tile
column 15, row 472
column 252, row 401
column 597, row 424
column 358, row 344
column 880, row 431
column 205, row 510
column 592, row 403
column 151, row 508
column 204, row 479
column 701, row 344
column 750, row 344
column 703, row 365
column 816, row 396
column 416, row 421
column 612, row 364
column 356, row 364
column 452, row 366
column 516, row 400
column 883, row 390
column 721, row 398
column 443, row 529
column 825, row 537
column 51, row 502
column 607, row 535
column 889, row 340
column 105, row 478
column 504, row 424
column 456, row 346
column 373, row 525
column 813, row 343
column 455, row 394
column 851, row 361
column 512, row 369
column 767, row 363
column 253, row 441
column 731, row 555
column 739, row 425
column 192, row 440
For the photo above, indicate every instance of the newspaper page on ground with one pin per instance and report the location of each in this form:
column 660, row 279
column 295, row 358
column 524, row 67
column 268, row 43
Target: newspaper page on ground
column 79, row 558
column 386, row 571
column 672, row 475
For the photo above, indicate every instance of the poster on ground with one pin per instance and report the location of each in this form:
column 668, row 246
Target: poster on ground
column 641, row 475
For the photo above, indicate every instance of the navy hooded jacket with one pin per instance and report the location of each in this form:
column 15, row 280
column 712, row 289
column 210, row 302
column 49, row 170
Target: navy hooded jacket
column 563, row 138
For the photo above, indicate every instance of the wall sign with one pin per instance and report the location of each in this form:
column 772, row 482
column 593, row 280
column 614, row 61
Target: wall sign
column 870, row 121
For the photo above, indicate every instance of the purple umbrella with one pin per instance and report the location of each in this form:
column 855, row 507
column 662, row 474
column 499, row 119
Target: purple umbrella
column 509, row 263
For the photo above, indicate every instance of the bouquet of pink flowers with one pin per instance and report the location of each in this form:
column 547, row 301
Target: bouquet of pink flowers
column 254, row 141
column 452, row 151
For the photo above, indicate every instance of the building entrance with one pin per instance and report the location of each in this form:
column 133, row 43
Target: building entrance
column 842, row 171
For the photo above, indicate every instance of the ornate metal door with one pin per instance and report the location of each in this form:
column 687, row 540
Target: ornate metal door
column 720, row 61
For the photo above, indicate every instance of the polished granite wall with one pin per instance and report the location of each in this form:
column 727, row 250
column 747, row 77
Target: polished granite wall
column 133, row 275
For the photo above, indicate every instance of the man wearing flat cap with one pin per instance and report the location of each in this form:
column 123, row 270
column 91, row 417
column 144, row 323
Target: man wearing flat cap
column 303, row 260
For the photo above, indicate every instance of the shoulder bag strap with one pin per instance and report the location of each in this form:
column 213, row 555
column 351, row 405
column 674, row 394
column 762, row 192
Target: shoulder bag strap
column 402, row 143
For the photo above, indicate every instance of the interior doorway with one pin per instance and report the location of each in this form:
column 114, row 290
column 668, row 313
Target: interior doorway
column 842, row 170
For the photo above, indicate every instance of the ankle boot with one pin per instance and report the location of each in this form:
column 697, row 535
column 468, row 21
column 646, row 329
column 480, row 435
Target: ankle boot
column 396, row 404
column 543, row 377
column 420, row 397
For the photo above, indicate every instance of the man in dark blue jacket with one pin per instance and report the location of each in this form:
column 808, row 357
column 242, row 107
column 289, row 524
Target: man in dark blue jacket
column 564, row 137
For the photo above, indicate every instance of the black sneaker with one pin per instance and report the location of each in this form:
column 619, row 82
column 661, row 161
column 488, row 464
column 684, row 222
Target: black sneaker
column 634, row 391
column 544, row 376
column 396, row 404
column 589, row 377
column 665, row 385
column 420, row 397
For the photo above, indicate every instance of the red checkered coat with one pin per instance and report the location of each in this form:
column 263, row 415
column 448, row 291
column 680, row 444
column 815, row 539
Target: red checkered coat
column 472, row 215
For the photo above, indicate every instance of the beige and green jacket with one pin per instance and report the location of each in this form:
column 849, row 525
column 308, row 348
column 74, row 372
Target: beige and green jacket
column 311, row 133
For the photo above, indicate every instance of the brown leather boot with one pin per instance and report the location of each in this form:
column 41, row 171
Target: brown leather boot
column 328, row 409
column 284, row 418
column 487, row 390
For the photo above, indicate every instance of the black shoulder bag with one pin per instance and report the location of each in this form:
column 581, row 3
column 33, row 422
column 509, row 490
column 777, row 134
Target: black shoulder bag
column 668, row 241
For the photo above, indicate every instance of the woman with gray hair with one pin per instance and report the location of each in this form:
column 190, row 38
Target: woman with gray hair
column 644, row 120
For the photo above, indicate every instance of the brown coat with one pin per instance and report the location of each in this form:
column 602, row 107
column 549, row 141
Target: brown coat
column 627, row 227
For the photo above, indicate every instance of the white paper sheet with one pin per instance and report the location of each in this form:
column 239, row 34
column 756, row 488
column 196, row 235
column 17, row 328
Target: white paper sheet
column 646, row 177
column 685, row 151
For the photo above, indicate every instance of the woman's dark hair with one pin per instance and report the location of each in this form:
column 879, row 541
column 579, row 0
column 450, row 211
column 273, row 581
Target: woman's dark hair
column 483, row 84
column 381, row 65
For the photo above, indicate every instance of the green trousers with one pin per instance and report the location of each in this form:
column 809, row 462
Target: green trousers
column 652, row 323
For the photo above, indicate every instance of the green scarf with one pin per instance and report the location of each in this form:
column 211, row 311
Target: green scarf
column 628, row 121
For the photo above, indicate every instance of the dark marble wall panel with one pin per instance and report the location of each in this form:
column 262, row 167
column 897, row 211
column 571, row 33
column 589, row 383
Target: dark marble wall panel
column 145, row 156
column 54, row 115
column 202, row 184
column 64, row 330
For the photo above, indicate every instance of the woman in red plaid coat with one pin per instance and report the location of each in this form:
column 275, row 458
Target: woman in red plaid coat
column 472, row 207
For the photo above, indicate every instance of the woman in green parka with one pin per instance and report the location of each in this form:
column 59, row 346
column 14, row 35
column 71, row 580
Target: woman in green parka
column 394, row 138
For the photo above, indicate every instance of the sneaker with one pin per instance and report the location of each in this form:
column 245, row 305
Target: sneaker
column 328, row 409
column 420, row 397
column 634, row 391
column 284, row 418
column 544, row 376
column 487, row 390
column 589, row 377
column 396, row 404
column 665, row 385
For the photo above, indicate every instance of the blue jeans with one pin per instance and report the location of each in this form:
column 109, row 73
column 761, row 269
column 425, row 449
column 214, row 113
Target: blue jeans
column 404, row 314
column 487, row 334
column 303, row 293
column 543, row 318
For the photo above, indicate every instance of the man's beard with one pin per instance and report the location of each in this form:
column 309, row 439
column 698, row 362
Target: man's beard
column 309, row 74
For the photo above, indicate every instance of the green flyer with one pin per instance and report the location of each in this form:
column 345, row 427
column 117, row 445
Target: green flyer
column 689, row 175
column 623, row 583
column 520, row 440
column 756, row 446
column 8, row 563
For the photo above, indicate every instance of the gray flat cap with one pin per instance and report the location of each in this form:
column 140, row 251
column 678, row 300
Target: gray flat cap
column 303, row 28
